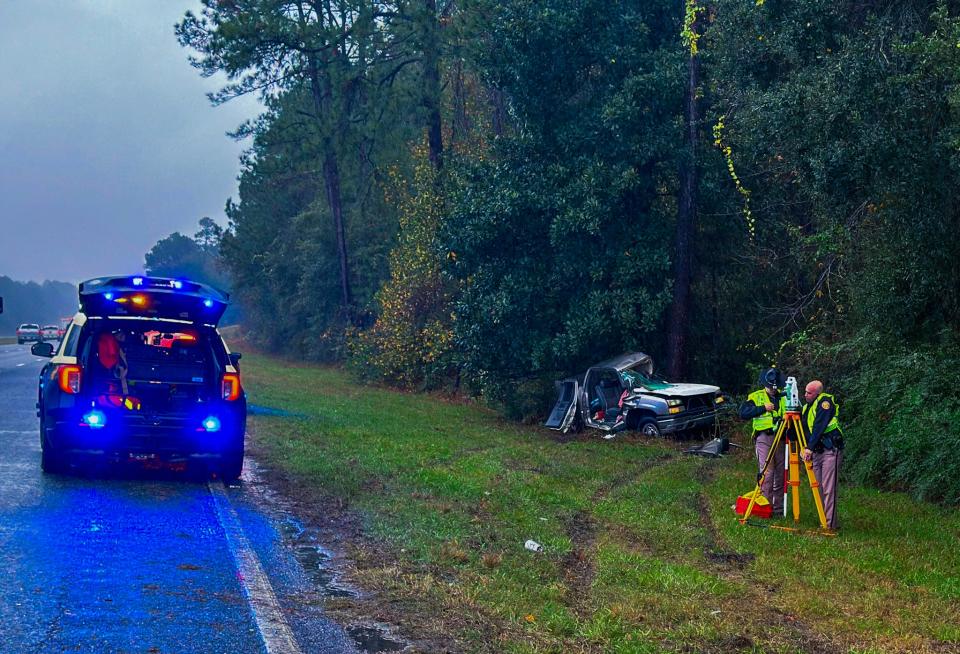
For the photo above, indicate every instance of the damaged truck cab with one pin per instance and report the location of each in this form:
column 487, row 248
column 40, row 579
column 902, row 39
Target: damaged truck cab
column 624, row 394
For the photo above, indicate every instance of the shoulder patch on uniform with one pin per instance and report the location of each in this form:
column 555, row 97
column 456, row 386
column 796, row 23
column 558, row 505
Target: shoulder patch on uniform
column 825, row 404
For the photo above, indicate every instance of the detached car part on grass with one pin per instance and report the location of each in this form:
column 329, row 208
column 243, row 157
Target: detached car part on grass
column 650, row 405
column 143, row 375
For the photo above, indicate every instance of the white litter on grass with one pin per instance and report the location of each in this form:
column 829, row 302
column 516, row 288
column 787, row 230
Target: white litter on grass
column 533, row 546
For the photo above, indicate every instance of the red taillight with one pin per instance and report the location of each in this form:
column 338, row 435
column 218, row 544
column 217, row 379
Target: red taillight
column 68, row 377
column 231, row 386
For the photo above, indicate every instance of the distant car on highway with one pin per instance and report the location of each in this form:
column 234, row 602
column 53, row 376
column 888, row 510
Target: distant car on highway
column 49, row 333
column 143, row 375
column 28, row 331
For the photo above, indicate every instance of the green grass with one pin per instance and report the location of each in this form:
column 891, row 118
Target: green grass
column 631, row 531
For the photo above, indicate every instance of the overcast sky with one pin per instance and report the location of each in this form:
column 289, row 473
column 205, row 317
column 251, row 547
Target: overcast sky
column 107, row 140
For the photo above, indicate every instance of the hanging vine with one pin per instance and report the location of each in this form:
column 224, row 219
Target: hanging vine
column 741, row 189
column 689, row 35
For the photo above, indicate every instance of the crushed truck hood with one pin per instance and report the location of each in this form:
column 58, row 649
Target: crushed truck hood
column 681, row 390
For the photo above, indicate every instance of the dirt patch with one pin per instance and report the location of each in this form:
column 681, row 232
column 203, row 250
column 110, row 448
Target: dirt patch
column 578, row 565
column 803, row 637
column 715, row 548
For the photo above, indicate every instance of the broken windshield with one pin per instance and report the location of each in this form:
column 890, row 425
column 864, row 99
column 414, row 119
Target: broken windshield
column 635, row 379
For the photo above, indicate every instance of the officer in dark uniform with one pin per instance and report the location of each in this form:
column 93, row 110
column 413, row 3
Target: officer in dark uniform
column 765, row 407
column 824, row 444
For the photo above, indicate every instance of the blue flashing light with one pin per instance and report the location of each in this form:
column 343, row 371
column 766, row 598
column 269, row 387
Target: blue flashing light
column 208, row 303
column 138, row 281
column 177, row 284
column 95, row 419
column 211, row 423
column 109, row 296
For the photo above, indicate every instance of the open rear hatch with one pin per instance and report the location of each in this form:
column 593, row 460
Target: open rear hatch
column 152, row 369
column 153, row 297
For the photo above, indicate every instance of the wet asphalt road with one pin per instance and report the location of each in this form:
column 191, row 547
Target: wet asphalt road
column 121, row 563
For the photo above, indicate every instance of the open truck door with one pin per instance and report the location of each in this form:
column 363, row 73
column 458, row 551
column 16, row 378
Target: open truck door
column 565, row 410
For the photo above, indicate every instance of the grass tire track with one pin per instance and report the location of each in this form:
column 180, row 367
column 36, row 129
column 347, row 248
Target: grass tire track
column 579, row 565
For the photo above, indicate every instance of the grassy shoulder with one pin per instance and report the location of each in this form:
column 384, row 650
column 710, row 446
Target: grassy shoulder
column 641, row 549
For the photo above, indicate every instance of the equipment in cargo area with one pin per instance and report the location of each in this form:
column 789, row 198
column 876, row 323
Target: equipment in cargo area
column 790, row 434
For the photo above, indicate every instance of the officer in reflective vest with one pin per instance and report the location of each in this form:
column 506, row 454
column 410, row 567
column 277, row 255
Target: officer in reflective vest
column 766, row 408
column 824, row 444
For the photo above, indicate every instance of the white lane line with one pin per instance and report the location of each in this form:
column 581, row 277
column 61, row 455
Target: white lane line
column 18, row 431
column 20, row 365
column 273, row 627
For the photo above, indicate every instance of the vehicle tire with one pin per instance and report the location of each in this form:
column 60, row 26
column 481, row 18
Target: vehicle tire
column 576, row 425
column 648, row 427
column 51, row 461
column 19, row 342
column 231, row 464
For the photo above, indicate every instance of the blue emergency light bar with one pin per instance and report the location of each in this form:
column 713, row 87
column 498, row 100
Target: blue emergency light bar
column 157, row 297
column 140, row 283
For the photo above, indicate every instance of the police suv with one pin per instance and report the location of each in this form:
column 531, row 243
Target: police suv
column 142, row 374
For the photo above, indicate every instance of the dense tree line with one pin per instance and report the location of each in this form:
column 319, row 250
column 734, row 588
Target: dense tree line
column 491, row 194
column 41, row 303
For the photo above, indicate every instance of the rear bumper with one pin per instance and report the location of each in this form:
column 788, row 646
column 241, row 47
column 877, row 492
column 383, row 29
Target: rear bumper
column 167, row 438
column 28, row 337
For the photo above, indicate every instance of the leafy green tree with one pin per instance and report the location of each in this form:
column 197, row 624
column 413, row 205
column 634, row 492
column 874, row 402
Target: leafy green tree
column 841, row 119
column 560, row 235
column 270, row 47
column 566, row 203
column 410, row 343
column 176, row 256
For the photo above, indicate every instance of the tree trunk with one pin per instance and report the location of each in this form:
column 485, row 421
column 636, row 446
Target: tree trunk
column 431, row 81
column 460, row 129
column 331, row 178
column 498, row 104
column 686, row 224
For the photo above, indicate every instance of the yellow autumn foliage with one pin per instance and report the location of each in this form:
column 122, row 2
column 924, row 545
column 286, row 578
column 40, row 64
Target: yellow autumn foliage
column 409, row 343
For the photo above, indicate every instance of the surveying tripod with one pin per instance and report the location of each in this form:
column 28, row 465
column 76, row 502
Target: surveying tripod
column 796, row 444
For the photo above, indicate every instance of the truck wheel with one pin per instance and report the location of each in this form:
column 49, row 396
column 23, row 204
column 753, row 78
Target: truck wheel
column 649, row 428
column 231, row 464
column 51, row 461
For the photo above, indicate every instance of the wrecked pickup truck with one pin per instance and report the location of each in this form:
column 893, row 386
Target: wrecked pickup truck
column 624, row 394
